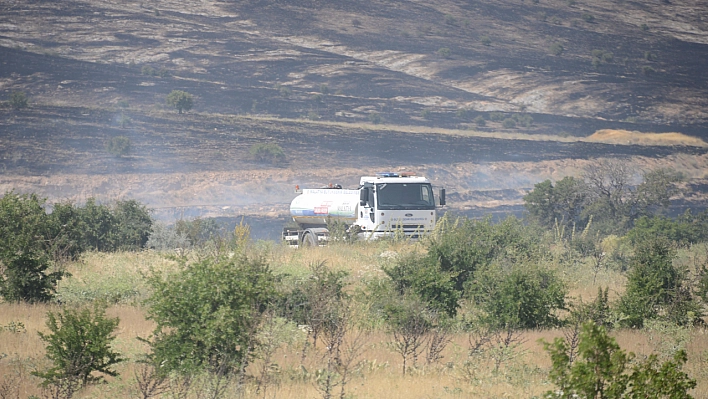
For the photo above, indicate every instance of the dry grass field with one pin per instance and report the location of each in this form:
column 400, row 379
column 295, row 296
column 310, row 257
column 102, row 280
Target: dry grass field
column 522, row 373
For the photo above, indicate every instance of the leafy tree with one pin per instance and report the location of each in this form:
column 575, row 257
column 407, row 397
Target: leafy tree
column 467, row 245
column 180, row 100
column 655, row 286
column 524, row 297
column 601, row 370
column 18, row 100
column 79, row 343
column 133, row 224
column 423, row 276
column 26, row 236
column 208, row 313
column 560, row 204
column 615, row 202
column 684, row 230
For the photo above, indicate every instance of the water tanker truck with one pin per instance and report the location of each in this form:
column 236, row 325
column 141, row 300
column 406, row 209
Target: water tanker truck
column 382, row 205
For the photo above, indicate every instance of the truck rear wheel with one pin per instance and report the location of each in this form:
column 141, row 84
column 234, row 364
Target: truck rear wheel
column 309, row 239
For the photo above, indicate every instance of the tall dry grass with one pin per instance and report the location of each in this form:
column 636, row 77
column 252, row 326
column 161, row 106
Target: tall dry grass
column 378, row 370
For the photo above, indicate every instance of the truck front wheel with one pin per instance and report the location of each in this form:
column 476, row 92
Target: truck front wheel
column 309, row 239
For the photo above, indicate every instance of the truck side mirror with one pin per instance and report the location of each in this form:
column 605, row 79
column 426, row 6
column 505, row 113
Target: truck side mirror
column 363, row 196
column 442, row 196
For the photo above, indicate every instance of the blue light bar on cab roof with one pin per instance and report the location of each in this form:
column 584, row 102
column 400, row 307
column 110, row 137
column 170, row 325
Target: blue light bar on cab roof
column 387, row 174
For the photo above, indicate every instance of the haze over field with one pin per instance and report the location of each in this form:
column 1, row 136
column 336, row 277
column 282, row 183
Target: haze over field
column 485, row 98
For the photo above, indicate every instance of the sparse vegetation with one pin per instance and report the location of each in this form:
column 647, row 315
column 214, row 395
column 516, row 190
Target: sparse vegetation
column 485, row 40
column 79, row 344
column 600, row 57
column 375, row 118
column 268, row 152
column 589, row 18
column 119, row 146
column 557, row 49
column 180, row 100
column 18, row 100
column 444, row 52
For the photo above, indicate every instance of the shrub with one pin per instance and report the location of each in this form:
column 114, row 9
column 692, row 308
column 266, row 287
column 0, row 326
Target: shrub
column 79, row 343
column 589, row 18
column 26, row 237
column 525, row 297
column 208, row 313
column 425, row 113
column 649, row 56
column 644, row 27
column 118, row 146
column 485, row 40
column 509, row 123
column 655, row 287
column 268, row 152
column 147, row 70
column 450, row 19
column 423, row 276
column 444, row 52
column 18, row 100
column 197, row 231
column 480, row 121
column 601, row 370
column 324, row 89
column 468, row 245
column 180, row 100
column 647, row 70
column 557, row 49
column 375, row 118
column 496, row 116
column 684, row 230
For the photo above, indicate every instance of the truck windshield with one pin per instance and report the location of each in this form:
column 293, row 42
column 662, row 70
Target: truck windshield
column 405, row 196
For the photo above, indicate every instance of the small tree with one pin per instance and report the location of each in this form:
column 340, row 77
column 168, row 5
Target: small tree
column 208, row 314
column 655, row 287
column 118, row 146
column 557, row 49
column 18, row 100
column 26, row 236
column 180, row 100
column 79, row 343
column 601, row 370
column 268, row 152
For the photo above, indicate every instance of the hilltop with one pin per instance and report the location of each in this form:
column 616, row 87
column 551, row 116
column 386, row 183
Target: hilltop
column 477, row 95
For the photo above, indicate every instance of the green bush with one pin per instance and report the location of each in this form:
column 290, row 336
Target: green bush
column 509, row 123
column 118, row 146
column 468, row 245
column 485, row 40
column 589, row 18
column 444, row 52
column 656, row 288
column 524, row 297
column 684, row 230
column 375, row 118
column 27, row 235
column 79, row 343
column 423, row 276
column 601, row 369
column 557, row 49
column 268, row 152
column 208, row 313
column 480, row 121
column 180, row 100
column 18, row 100
column 649, row 56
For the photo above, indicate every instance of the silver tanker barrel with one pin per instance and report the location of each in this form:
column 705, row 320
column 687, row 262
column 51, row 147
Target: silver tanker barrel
column 314, row 207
